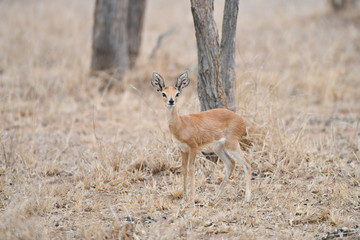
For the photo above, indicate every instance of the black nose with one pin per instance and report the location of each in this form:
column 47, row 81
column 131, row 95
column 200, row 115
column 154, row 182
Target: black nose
column 171, row 101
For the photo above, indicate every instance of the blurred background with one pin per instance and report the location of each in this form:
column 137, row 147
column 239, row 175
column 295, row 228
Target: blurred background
column 301, row 49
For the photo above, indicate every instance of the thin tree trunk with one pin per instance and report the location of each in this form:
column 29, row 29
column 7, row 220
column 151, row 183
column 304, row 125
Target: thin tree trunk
column 117, row 34
column 210, row 88
column 110, row 48
column 228, row 40
column 135, row 20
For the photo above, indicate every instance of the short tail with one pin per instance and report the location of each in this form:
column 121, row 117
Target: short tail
column 246, row 132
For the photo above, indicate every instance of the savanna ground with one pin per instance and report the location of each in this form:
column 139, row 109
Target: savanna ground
column 80, row 160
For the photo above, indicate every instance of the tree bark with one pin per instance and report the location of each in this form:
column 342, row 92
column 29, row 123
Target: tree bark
column 210, row 90
column 117, row 34
column 110, row 48
column 135, row 20
column 228, row 39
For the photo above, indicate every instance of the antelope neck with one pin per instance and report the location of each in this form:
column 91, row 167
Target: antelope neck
column 173, row 118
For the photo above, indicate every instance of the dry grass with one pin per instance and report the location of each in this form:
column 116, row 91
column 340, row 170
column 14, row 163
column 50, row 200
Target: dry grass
column 79, row 162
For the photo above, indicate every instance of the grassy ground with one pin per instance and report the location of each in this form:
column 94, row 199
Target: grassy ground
column 81, row 161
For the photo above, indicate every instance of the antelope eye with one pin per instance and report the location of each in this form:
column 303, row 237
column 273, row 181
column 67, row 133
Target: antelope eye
column 177, row 94
column 164, row 95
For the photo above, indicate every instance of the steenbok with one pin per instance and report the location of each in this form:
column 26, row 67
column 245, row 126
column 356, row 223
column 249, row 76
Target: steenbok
column 218, row 129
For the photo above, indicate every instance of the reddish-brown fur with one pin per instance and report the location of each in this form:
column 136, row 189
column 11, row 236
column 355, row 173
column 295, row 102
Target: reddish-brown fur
column 197, row 130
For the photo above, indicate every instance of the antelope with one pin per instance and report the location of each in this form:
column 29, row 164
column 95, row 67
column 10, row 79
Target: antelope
column 219, row 129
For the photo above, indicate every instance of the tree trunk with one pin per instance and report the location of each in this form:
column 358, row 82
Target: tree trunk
column 210, row 90
column 110, row 48
column 117, row 34
column 228, row 40
column 135, row 20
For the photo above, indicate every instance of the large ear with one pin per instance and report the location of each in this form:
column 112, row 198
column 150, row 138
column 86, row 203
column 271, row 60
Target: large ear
column 157, row 81
column 182, row 81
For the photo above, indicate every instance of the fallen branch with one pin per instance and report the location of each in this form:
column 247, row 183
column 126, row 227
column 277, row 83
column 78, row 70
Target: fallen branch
column 159, row 40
